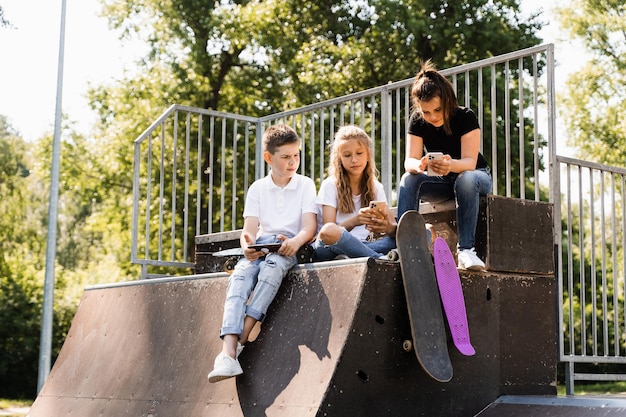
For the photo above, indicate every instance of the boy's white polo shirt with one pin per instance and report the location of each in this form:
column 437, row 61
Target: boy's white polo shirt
column 280, row 209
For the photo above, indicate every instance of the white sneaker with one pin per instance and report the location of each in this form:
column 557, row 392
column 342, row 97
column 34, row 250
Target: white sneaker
column 468, row 260
column 224, row 367
column 239, row 349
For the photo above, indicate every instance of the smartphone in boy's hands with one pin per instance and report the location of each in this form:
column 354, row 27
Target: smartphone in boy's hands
column 431, row 156
column 266, row 247
column 379, row 207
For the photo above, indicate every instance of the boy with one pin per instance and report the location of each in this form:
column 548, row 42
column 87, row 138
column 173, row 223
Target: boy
column 279, row 208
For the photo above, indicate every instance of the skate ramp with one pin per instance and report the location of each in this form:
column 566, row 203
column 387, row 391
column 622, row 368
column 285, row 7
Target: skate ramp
column 332, row 345
column 145, row 348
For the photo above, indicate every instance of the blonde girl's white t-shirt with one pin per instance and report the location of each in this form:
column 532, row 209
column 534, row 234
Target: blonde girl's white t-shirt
column 279, row 209
column 327, row 196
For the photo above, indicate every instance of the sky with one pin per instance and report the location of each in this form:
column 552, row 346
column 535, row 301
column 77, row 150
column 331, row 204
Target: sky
column 94, row 54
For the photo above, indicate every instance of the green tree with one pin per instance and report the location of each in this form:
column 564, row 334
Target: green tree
column 260, row 57
column 90, row 247
column 594, row 102
column 19, row 290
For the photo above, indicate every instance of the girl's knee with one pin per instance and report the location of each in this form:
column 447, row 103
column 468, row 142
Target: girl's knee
column 408, row 179
column 466, row 181
column 330, row 233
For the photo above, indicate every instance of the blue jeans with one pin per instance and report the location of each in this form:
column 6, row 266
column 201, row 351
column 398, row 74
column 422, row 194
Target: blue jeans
column 352, row 247
column 262, row 278
column 466, row 188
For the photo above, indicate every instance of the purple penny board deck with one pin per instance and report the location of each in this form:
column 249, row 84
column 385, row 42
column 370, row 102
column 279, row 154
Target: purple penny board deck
column 422, row 297
column 452, row 297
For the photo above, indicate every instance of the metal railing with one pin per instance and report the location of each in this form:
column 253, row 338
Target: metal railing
column 592, row 269
column 192, row 166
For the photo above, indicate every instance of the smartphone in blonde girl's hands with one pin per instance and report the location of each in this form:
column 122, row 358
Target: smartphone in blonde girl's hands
column 379, row 206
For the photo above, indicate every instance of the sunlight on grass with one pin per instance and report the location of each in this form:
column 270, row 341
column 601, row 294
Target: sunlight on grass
column 604, row 388
column 7, row 403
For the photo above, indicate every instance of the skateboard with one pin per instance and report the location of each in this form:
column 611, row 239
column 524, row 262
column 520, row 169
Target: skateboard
column 232, row 257
column 422, row 297
column 452, row 297
column 304, row 255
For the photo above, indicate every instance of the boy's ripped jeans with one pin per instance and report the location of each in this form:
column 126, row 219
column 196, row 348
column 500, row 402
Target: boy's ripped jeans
column 262, row 278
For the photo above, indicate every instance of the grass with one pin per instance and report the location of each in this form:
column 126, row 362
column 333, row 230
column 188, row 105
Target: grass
column 599, row 388
column 10, row 403
column 604, row 388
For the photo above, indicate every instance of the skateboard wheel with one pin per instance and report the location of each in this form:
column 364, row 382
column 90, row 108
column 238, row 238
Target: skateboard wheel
column 392, row 255
column 407, row 345
column 229, row 265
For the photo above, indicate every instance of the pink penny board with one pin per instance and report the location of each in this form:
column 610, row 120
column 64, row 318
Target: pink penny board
column 452, row 296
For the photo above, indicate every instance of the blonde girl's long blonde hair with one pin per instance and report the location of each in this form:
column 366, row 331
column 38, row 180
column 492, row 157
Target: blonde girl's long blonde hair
column 345, row 204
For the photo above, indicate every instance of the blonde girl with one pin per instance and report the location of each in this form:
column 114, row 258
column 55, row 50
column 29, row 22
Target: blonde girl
column 347, row 222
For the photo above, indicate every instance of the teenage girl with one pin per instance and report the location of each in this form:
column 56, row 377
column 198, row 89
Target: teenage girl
column 439, row 124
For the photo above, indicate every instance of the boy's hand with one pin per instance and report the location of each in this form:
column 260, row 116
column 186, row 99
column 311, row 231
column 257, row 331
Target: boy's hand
column 289, row 246
column 249, row 253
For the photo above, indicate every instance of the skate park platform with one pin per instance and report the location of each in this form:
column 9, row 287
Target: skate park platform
column 332, row 344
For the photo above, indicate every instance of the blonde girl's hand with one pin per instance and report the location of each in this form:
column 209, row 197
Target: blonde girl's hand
column 367, row 215
column 379, row 225
column 377, row 220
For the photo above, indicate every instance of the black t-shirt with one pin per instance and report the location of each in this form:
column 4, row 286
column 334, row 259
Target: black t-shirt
column 463, row 121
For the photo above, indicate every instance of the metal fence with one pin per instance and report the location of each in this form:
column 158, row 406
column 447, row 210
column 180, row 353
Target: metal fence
column 591, row 270
column 192, row 168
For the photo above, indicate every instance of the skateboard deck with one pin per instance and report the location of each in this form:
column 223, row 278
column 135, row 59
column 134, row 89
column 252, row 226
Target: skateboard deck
column 304, row 255
column 422, row 297
column 452, row 297
column 232, row 256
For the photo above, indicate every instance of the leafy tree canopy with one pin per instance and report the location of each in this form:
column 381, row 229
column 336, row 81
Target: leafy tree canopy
column 258, row 57
column 595, row 99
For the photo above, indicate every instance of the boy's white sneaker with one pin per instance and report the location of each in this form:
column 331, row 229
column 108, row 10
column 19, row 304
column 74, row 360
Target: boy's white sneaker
column 468, row 260
column 224, row 367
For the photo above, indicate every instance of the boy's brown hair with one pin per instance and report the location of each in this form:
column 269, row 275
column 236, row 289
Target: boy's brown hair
column 278, row 135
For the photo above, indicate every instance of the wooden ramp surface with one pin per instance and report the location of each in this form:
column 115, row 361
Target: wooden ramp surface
column 145, row 349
